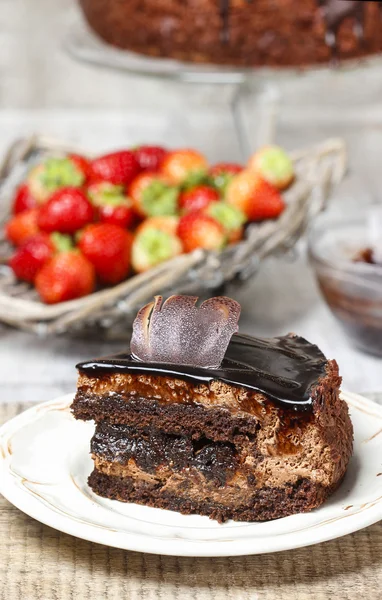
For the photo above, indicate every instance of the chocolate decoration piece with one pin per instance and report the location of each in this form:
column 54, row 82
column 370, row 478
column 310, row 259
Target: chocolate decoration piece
column 177, row 331
column 283, row 368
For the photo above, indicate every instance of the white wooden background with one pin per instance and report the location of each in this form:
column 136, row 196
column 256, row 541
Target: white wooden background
column 43, row 90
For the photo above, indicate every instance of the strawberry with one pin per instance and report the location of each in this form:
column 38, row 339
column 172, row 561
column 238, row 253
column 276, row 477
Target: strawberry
column 31, row 256
column 167, row 224
column 150, row 158
column 197, row 230
column 112, row 204
column 23, row 199
column 231, row 218
column 55, row 173
column 198, row 198
column 66, row 211
column 118, row 212
column 225, row 168
column 152, row 246
column 181, row 166
column 256, row 198
column 82, row 163
column 153, row 195
column 65, row 276
column 22, row 226
column 222, row 173
column 108, row 247
column 274, row 165
column 118, row 168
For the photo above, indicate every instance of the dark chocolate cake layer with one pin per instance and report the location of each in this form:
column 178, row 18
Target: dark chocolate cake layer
column 121, row 448
column 262, row 504
column 240, row 32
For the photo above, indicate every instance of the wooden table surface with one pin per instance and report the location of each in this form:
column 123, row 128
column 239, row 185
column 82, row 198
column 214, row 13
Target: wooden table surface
column 40, row 563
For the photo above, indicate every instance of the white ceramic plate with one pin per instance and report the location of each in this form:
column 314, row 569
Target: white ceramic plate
column 44, row 464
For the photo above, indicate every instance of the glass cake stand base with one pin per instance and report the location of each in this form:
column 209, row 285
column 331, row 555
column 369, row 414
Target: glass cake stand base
column 256, row 95
column 81, row 44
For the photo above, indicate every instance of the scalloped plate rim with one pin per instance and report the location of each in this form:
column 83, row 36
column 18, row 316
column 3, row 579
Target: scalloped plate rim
column 26, row 501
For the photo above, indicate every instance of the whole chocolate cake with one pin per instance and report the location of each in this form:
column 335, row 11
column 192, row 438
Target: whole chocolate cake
column 240, row 32
column 197, row 420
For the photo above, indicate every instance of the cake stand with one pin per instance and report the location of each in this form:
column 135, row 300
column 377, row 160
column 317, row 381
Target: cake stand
column 259, row 92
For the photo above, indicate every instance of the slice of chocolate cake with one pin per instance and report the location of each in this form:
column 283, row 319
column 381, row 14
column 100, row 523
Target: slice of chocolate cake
column 198, row 420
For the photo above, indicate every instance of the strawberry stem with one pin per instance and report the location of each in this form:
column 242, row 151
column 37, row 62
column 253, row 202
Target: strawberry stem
column 61, row 242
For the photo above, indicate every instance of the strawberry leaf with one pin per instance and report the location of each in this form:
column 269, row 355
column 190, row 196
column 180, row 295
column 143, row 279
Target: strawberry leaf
column 61, row 242
column 194, row 178
column 60, row 172
column 160, row 199
column 230, row 217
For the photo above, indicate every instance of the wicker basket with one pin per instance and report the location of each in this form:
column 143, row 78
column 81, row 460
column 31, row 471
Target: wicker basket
column 111, row 310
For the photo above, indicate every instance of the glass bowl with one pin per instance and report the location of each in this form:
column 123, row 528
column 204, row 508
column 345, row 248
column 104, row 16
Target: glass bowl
column 353, row 290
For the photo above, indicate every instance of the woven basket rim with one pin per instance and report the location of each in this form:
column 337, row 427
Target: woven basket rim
column 261, row 240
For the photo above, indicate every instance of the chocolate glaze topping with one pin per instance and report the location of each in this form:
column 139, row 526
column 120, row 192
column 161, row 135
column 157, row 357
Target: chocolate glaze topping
column 283, row 368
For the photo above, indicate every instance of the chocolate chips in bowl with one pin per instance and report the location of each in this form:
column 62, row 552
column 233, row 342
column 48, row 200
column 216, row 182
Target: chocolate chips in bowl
column 347, row 259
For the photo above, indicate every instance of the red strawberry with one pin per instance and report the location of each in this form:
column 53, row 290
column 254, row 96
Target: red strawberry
column 22, row 226
column 55, row 173
column 150, row 158
column 23, row 199
column 223, row 168
column 112, row 204
column 121, row 213
column 31, row 256
column 255, row 197
column 198, row 198
column 117, row 167
column 82, row 163
column 64, row 277
column 108, row 248
column 197, row 230
column 152, row 246
column 222, row 173
column 274, row 165
column 153, row 195
column 179, row 165
column 167, row 224
column 66, row 211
